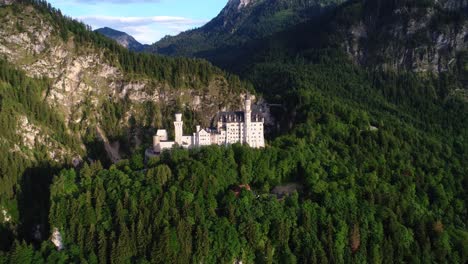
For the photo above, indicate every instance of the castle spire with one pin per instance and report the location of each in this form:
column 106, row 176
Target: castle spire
column 178, row 128
column 248, row 103
column 247, row 119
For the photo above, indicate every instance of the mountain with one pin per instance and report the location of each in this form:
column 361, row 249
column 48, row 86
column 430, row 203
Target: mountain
column 240, row 22
column 122, row 38
column 419, row 36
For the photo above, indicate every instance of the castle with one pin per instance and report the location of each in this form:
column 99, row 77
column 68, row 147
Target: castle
column 231, row 127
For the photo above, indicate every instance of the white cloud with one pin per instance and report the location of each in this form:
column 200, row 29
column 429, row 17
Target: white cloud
column 144, row 34
column 169, row 20
column 144, row 29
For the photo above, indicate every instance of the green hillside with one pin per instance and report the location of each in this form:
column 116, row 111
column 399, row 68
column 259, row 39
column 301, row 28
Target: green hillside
column 375, row 188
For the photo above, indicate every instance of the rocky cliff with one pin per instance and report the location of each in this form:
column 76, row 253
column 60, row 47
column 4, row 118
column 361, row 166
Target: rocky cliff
column 417, row 37
column 454, row 4
column 6, row 2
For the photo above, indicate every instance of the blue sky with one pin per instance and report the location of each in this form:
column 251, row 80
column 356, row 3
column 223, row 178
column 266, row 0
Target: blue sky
column 146, row 20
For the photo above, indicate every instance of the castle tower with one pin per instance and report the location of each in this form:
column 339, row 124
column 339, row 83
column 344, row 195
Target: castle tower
column 247, row 119
column 156, row 144
column 178, row 128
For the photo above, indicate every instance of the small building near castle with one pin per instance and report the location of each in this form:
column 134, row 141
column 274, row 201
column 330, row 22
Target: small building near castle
column 245, row 127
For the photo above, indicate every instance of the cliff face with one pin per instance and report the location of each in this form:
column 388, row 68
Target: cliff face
column 84, row 78
column 6, row 2
column 454, row 4
column 239, row 4
column 419, row 38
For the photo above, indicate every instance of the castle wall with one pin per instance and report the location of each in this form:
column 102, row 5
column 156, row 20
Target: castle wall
column 187, row 141
column 256, row 135
column 166, row 145
column 234, row 133
column 204, row 138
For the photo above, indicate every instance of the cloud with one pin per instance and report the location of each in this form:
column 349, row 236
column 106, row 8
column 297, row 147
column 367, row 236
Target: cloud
column 144, row 34
column 145, row 29
column 165, row 20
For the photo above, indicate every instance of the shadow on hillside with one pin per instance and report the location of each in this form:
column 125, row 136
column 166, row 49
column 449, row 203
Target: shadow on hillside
column 7, row 238
column 34, row 203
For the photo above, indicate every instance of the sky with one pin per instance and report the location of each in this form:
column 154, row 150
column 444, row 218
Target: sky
column 146, row 20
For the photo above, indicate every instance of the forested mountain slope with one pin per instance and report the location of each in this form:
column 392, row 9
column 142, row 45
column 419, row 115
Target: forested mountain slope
column 421, row 36
column 375, row 188
column 240, row 22
column 63, row 88
column 418, row 46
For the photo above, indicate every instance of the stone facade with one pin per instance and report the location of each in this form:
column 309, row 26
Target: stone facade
column 245, row 127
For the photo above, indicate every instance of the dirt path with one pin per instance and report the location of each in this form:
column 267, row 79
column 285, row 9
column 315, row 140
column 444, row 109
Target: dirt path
column 287, row 189
column 112, row 153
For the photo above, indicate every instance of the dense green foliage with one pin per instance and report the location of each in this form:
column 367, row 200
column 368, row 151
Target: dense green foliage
column 382, row 169
column 395, row 194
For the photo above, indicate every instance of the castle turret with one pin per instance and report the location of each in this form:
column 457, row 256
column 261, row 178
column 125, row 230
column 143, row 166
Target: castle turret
column 156, row 144
column 248, row 104
column 178, row 128
column 247, row 119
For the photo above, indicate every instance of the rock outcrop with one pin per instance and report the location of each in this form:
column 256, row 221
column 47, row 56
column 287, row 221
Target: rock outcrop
column 454, row 4
column 6, row 2
column 5, row 216
column 239, row 4
column 57, row 240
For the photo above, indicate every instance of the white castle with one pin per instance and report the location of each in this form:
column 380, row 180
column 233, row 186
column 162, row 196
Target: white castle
column 231, row 127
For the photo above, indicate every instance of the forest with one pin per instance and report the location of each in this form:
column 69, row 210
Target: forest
column 379, row 186
column 389, row 195
column 380, row 159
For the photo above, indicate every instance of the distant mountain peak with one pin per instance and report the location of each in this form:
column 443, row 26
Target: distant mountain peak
column 110, row 29
column 122, row 38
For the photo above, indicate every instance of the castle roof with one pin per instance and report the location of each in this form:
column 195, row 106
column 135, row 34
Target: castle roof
column 238, row 117
column 162, row 134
